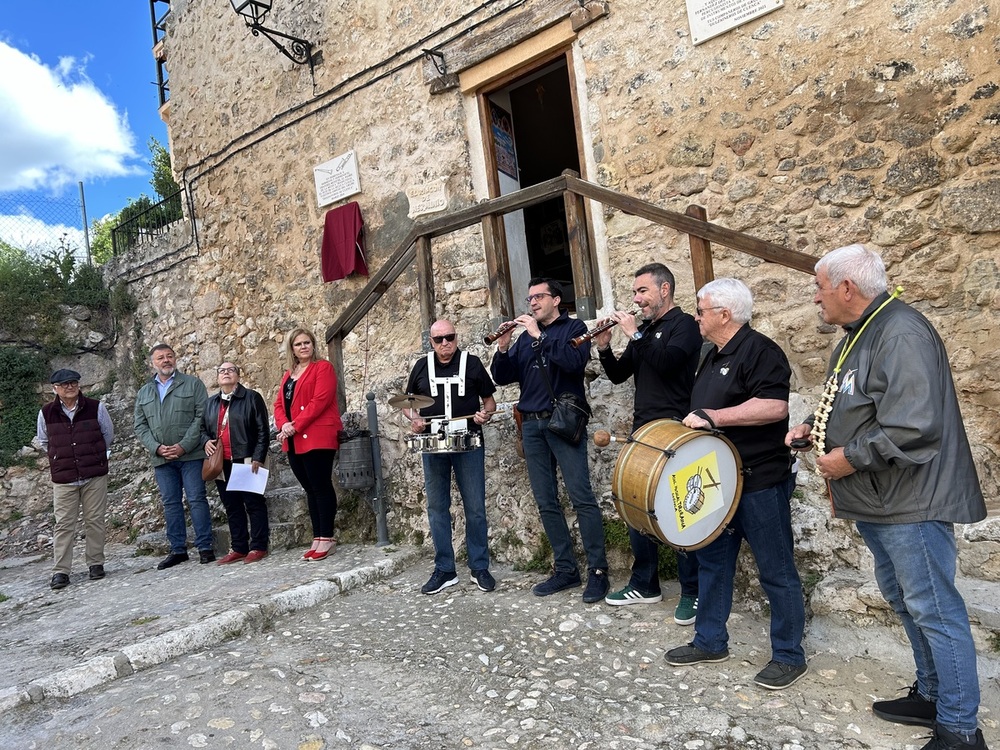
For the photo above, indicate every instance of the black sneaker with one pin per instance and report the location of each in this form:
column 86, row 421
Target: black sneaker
column 913, row 709
column 778, row 675
column 682, row 656
column 206, row 556
column 558, row 581
column 483, row 580
column 96, row 572
column 597, row 585
column 944, row 739
column 439, row 580
column 59, row 581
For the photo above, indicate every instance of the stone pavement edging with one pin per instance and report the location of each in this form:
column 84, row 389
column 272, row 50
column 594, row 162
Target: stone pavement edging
column 251, row 618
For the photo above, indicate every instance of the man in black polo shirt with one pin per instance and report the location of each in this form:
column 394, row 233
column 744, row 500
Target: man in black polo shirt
column 742, row 389
column 662, row 355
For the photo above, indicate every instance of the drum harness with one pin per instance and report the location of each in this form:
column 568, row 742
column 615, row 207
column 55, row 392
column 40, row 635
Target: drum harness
column 446, row 424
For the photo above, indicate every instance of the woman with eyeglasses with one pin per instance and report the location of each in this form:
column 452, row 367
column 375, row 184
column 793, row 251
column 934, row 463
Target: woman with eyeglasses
column 308, row 422
column 235, row 422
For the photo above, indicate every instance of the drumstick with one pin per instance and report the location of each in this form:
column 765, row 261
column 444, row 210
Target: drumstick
column 602, row 438
column 470, row 416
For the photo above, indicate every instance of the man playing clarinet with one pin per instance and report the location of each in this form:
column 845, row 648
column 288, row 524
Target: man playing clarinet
column 662, row 356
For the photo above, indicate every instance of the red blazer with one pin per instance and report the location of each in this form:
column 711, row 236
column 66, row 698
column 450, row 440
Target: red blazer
column 314, row 409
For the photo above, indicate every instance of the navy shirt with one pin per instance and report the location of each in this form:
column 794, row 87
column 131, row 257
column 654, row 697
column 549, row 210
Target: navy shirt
column 477, row 385
column 565, row 364
column 663, row 363
column 750, row 365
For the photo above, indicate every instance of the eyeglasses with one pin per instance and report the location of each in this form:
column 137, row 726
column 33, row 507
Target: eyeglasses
column 227, row 370
column 532, row 297
column 69, row 384
column 446, row 337
column 699, row 311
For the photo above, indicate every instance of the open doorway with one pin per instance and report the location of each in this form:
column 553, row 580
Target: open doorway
column 534, row 137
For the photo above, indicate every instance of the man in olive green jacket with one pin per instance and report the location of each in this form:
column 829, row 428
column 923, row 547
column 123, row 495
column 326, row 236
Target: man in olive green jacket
column 168, row 413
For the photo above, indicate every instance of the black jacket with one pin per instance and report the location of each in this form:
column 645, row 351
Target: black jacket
column 249, row 431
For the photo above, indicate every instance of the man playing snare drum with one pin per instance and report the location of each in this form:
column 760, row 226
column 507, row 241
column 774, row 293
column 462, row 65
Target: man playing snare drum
column 661, row 356
column 456, row 380
column 741, row 388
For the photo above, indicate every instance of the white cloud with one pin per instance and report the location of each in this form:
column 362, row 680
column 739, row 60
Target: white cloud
column 28, row 233
column 56, row 127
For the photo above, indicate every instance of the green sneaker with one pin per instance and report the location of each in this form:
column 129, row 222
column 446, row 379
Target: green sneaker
column 687, row 610
column 629, row 595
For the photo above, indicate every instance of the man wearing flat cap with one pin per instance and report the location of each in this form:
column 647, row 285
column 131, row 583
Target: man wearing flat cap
column 77, row 433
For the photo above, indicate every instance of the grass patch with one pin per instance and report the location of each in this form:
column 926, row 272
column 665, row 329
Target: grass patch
column 4, row 597
column 994, row 642
column 541, row 561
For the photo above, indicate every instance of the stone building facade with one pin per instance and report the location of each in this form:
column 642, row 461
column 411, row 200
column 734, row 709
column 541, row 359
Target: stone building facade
column 813, row 126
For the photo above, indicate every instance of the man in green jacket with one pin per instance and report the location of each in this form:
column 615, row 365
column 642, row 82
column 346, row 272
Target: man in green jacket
column 168, row 413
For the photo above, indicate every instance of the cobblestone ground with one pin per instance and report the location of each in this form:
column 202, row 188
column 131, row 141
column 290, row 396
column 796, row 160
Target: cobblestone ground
column 386, row 667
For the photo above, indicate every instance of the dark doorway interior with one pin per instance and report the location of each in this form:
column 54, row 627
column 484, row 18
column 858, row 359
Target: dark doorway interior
column 545, row 139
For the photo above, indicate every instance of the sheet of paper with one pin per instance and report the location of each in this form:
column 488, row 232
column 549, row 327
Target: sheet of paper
column 242, row 479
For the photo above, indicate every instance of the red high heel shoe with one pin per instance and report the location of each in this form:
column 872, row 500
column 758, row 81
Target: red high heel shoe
column 312, row 550
column 322, row 555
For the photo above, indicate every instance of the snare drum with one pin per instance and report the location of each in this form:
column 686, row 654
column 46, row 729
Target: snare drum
column 679, row 485
column 455, row 442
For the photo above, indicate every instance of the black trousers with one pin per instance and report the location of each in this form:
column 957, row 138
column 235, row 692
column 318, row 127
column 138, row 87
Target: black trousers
column 246, row 512
column 314, row 470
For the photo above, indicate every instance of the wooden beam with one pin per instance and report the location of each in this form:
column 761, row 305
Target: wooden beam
column 579, row 243
column 701, row 251
column 721, row 235
column 425, row 282
column 497, row 267
column 335, row 353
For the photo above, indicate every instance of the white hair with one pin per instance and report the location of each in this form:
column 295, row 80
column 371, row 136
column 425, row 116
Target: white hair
column 856, row 263
column 731, row 294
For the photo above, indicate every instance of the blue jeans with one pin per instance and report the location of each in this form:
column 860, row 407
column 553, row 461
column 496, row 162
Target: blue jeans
column 543, row 451
column 176, row 477
column 470, row 476
column 915, row 569
column 646, row 565
column 764, row 519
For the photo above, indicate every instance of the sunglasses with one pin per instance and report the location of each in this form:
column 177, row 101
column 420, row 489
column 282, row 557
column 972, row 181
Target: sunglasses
column 446, row 337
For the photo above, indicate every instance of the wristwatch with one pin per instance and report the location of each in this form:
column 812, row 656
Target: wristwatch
column 637, row 335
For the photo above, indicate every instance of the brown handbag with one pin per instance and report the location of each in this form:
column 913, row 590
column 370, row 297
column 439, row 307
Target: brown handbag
column 212, row 466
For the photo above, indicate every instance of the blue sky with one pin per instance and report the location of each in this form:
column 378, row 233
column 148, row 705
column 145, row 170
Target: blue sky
column 77, row 103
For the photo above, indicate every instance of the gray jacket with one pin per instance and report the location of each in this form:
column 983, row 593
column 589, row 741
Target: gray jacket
column 897, row 417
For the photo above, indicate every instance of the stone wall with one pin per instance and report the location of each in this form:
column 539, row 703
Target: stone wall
column 818, row 125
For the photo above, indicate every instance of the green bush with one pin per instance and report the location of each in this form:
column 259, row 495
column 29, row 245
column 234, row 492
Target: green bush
column 20, row 373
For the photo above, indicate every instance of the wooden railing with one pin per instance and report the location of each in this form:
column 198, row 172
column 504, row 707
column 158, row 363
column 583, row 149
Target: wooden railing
column 416, row 246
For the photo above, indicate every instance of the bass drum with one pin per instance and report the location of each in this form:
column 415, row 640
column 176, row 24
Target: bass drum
column 679, row 485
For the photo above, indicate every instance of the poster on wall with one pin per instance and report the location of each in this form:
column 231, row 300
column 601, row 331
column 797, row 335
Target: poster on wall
column 336, row 179
column 503, row 140
column 709, row 18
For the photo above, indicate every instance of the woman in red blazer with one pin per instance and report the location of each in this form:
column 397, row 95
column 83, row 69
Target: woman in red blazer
column 308, row 422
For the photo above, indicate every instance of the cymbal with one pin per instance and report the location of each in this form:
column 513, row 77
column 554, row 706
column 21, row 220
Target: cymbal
column 410, row 401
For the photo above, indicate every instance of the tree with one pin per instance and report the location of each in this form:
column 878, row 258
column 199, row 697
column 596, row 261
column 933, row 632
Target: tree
column 163, row 181
column 101, row 248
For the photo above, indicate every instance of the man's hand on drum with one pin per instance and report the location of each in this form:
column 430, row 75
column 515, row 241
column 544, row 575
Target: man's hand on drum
column 481, row 417
column 696, row 422
column 417, row 423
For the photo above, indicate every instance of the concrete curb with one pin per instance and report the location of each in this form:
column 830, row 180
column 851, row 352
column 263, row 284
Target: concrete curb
column 218, row 628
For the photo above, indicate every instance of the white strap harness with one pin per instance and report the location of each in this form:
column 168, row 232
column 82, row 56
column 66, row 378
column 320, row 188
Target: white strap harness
column 459, row 425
